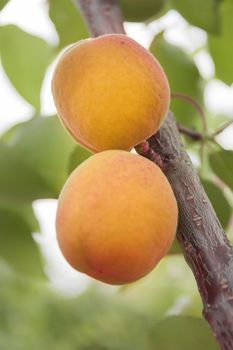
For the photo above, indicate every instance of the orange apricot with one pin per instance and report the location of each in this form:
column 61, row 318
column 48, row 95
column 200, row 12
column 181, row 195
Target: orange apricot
column 116, row 217
column 110, row 92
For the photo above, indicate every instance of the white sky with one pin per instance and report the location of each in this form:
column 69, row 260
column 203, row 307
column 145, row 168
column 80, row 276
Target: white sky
column 32, row 16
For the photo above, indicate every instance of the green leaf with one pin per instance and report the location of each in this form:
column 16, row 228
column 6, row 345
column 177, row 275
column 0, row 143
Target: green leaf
column 183, row 77
column 138, row 10
column 3, row 3
column 18, row 181
column 222, row 164
column 219, row 202
column 221, row 47
column 175, row 248
column 17, row 246
column 203, row 14
column 25, row 211
column 68, row 22
column 25, row 58
column 78, row 156
column 46, row 147
column 171, row 271
column 182, row 333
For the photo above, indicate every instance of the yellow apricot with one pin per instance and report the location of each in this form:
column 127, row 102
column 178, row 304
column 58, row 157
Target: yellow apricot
column 116, row 217
column 110, row 92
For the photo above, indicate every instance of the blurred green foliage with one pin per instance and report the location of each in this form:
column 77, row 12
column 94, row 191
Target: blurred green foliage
column 163, row 310
column 189, row 332
column 183, row 77
column 3, row 3
column 219, row 202
column 220, row 46
column 46, row 148
column 137, row 10
column 222, row 165
column 203, row 14
column 24, row 58
column 17, row 245
column 68, row 21
column 102, row 318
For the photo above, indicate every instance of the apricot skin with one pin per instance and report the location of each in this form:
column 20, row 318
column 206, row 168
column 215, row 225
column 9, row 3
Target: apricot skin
column 116, row 217
column 110, row 92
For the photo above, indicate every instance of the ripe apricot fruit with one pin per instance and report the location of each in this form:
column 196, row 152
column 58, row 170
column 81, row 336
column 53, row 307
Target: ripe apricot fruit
column 140, row 10
column 116, row 217
column 110, row 92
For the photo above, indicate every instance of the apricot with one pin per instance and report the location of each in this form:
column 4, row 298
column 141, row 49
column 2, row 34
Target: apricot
column 116, row 217
column 140, row 10
column 110, row 92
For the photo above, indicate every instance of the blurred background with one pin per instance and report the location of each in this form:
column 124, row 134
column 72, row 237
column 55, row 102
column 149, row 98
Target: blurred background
column 44, row 303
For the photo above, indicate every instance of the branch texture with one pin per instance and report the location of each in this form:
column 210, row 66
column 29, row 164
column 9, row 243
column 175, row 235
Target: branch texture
column 203, row 241
column 102, row 17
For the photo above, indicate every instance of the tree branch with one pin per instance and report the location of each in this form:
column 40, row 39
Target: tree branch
column 203, row 241
column 102, row 16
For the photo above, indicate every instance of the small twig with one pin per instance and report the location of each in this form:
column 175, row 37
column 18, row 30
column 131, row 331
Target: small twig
column 193, row 134
column 197, row 136
column 196, row 105
column 199, row 109
column 213, row 143
column 222, row 128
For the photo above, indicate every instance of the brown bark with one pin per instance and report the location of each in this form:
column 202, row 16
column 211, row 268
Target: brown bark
column 102, row 17
column 201, row 237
